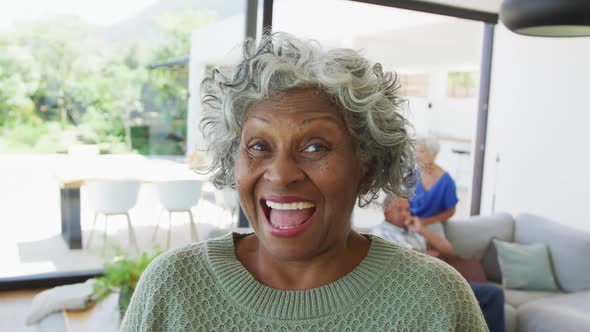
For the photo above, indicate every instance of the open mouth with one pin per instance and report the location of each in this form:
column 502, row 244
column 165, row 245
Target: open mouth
column 287, row 216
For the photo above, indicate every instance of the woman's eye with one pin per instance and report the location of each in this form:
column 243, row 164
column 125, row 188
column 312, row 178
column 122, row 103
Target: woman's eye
column 258, row 147
column 315, row 148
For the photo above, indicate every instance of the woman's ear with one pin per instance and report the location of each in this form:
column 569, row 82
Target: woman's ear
column 364, row 175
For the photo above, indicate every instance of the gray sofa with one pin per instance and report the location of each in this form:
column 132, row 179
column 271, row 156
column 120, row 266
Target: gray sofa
column 565, row 311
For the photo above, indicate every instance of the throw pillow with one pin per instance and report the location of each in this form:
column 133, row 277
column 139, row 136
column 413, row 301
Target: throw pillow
column 490, row 263
column 470, row 268
column 67, row 297
column 525, row 266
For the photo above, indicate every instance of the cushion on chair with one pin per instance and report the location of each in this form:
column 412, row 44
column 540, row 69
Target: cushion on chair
column 563, row 313
column 570, row 249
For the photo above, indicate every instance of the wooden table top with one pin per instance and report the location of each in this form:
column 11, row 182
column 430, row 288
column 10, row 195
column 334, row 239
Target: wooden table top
column 73, row 172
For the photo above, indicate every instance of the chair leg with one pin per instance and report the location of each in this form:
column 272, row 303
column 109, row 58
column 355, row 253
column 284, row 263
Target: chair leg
column 234, row 217
column 104, row 236
column 91, row 231
column 169, row 229
column 132, row 239
column 157, row 225
column 194, row 233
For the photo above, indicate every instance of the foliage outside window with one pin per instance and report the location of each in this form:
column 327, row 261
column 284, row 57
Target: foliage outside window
column 462, row 84
column 62, row 82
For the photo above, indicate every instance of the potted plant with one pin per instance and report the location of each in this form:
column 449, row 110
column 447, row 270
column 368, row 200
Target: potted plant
column 122, row 275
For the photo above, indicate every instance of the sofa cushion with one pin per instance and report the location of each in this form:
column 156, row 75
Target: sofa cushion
column 511, row 318
column 563, row 313
column 525, row 266
column 490, row 264
column 470, row 268
column 472, row 237
column 569, row 249
column 518, row 297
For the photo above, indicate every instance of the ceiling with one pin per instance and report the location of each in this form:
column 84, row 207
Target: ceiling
column 492, row 6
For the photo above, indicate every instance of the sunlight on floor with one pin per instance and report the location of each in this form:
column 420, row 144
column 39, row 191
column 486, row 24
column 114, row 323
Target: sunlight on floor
column 31, row 241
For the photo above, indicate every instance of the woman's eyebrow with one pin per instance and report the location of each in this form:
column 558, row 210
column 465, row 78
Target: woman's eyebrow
column 258, row 117
column 330, row 118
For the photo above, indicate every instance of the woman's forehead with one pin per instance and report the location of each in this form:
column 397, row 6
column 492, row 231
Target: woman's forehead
column 303, row 99
column 297, row 103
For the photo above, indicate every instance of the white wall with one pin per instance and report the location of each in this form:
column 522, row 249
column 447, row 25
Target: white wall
column 215, row 44
column 539, row 125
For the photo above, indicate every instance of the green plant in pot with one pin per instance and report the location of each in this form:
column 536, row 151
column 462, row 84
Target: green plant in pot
column 122, row 275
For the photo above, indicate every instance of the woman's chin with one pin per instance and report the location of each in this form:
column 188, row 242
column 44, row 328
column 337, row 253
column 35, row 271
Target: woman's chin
column 292, row 244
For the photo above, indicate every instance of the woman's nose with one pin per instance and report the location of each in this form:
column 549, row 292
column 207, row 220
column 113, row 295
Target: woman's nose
column 283, row 170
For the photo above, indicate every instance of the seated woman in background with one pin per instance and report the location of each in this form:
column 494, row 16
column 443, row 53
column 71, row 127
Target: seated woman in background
column 435, row 198
column 303, row 134
column 401, row 229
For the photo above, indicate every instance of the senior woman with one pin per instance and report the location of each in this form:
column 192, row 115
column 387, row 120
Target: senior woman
column 435, row 198
column 303, row 134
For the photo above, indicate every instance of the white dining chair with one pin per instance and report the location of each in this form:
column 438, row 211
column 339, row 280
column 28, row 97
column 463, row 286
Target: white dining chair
column 228, row 200
column 113, row 197
column 178, row 196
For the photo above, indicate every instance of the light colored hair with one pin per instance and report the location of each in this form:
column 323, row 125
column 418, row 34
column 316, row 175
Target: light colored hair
column 389, row 200
column 367, row 97
column 430, row 143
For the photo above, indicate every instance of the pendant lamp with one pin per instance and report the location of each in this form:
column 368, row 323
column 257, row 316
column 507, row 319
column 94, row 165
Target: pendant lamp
column 547, row 18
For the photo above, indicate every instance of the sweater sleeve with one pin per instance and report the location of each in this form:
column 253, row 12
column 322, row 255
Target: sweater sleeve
column 462, row 308
column 146, row 310
column 471, row 319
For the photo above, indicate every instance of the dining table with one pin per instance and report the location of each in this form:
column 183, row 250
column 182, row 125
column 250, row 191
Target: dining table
column 73, row 172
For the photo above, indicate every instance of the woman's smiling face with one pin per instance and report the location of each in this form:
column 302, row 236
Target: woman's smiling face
column 297, row 174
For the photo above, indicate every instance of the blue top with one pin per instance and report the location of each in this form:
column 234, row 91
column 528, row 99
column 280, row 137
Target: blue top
column 442, row 196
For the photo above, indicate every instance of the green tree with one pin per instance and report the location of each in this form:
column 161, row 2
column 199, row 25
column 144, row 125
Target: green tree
column 166, row 92
column 57, row 79
column 178, row 27
column 19, row 77
column 56, row 44
column 78, row 83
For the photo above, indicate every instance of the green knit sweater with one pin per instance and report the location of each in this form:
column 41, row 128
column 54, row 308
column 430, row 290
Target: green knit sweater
column 203, row 287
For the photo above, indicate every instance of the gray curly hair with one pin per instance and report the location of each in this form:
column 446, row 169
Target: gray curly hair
column 368, row 98
column 430, row 143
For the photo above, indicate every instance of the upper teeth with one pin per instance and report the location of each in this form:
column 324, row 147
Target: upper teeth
column 290, row 206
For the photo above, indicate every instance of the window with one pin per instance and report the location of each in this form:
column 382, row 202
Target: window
column 462, row 84
column 414, row 85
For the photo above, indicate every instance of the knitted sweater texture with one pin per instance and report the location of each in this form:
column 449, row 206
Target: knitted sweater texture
column 203, row 287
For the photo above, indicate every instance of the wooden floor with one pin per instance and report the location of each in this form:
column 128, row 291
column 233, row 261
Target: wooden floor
column 15, row 306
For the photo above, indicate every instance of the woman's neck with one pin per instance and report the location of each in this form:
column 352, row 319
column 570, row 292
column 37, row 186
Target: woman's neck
column 325, row 268
column 429, row 168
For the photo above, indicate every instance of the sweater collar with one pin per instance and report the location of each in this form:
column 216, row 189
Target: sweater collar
column 241, row 287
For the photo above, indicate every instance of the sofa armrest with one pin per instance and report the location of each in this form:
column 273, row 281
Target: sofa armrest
column 471, row 237
column 569, row 248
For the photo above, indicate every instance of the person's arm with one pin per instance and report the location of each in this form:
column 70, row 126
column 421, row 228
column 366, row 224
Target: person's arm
column 445, row 215
column 434, row 241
